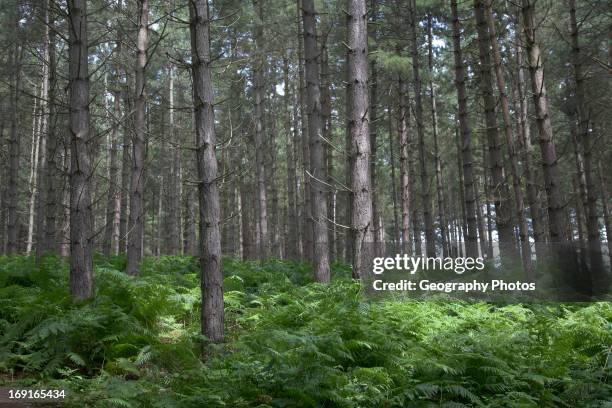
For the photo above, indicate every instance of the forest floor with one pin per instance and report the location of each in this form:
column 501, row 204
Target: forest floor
column 290, row 342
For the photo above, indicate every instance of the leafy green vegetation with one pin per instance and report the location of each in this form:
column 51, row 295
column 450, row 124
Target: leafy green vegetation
column 290, row 342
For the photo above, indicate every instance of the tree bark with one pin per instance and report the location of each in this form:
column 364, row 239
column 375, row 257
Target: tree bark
column 359, row 123
column 465, row 143
column 585, row 138
column 210, row 239
column 434, row 129
column 112, row 198
column 317, row 160
column 174, row 185
column 136, row 219
column 81, row 234
column 525, row 145
column 307, row 244
column 291, row 139
column 606, row 210
column 552, row 181
column 48, row 239
column 373, row 124
column 12, row 227
column 496, row 162
column 397, row 237
column 425, row 194
column 404, row 138
column 258, row 90
column 514, row 165
column 326, row 113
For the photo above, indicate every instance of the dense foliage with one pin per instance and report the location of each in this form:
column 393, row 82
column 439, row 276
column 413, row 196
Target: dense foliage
column 290, row 342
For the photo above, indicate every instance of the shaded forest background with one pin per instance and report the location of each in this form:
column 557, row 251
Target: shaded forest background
column 442, row 128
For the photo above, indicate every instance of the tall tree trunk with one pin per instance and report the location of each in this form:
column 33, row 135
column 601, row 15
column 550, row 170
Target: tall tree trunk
column 258, row 90
column 307, row 244
column 404, row 139
column 126, row 161
column 136, row 219
column 45, row 119
column 81, row 233
column 318, row 177
column 37, row 141
column 48, row 239
column 471, row 247
column 514, row 166
column 210, row 239
column 525, row 145
column 552, row 180
column 592, row 219
column 291, row 139
column 425, row 194
column 359, row 122
column 174, row 184
column 113, row 171
column 496, row 161
column 373, row 124
column 274, row 224
column 434, row 129
column 326, row 113
column 396, row 225
column 12, row 227
column 486, row 181
column 465, row 144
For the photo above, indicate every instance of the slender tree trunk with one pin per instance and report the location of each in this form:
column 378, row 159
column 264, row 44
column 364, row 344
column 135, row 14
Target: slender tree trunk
column 496, row 162
column 307, row 244
column 425, row 194
column 113, row 172
column 606, row 210
column 552, row 180
column 525, row 145
column 579, row 213
column 297, row 148
column 434, row 129
column 210, row 239
column 81, row 233
column 592, row 219
column 48, row 239
column 465, row 143
column 37, row 140
column 126, row 161
column 326, row 112
column 405, row 188
column 348, row 242
column 471, row 247
column 373, row 124
column 487, row 191
column 514, row 165
column 271, row 168
column 136, row 219
column 291, row 139
column 12, row 227
column 258, row 90
column 317, row 160
column 483, row 240
column 396, row 226
column 174, row 184
column 359, row 122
